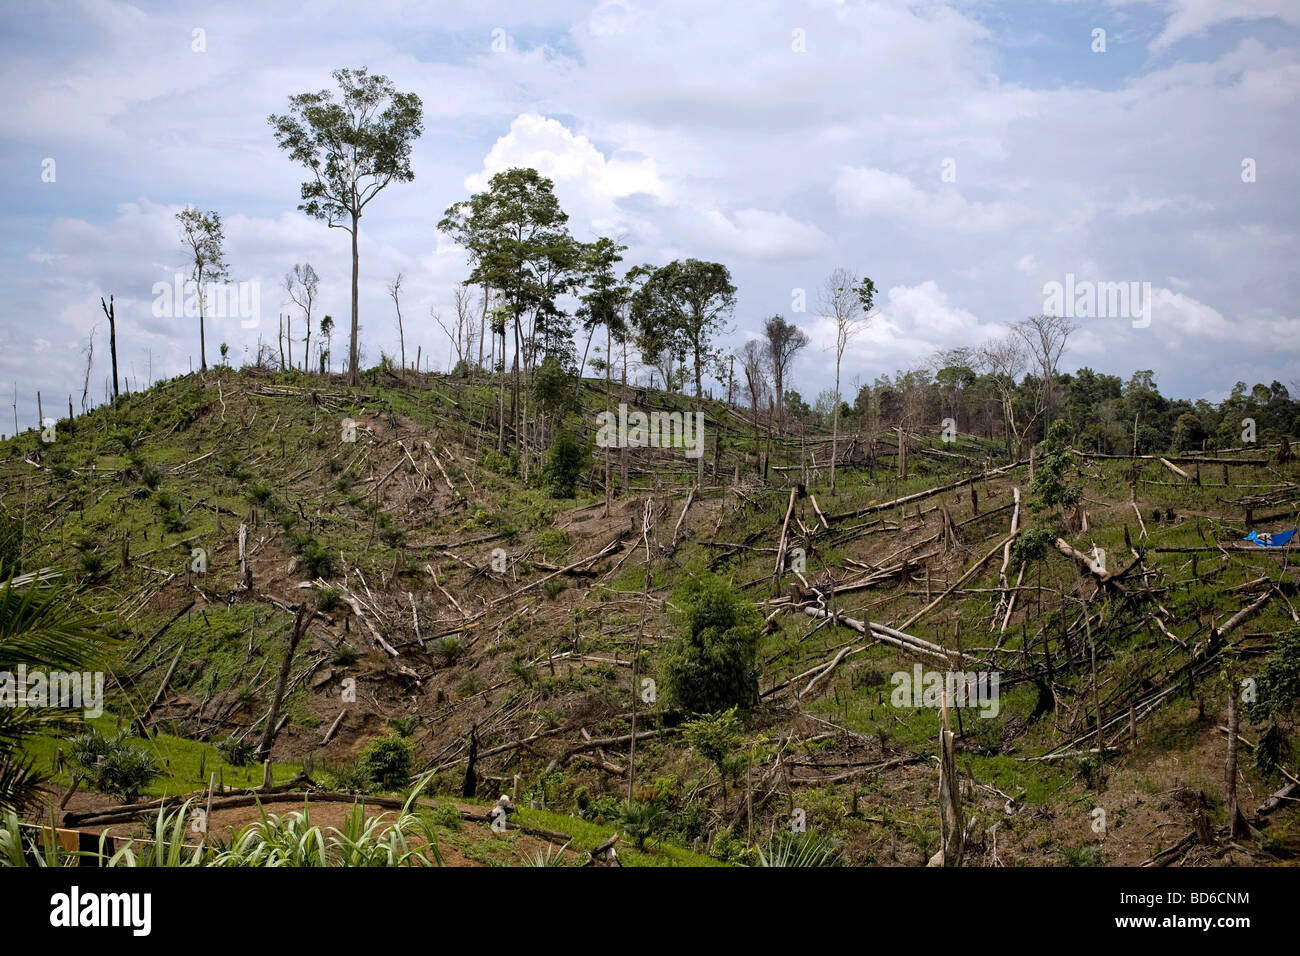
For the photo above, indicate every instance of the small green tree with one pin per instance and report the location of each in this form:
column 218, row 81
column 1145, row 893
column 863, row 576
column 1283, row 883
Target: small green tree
column 201, row 234
column 715, row 737
column 712, row 665
column 564, row 464
column 1050, row 491
column 1276, row 703
column 388, row 760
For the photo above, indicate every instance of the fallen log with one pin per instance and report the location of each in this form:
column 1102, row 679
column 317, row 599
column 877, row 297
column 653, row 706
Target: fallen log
column 920, row 495
column 780, row 550
column 960, row 581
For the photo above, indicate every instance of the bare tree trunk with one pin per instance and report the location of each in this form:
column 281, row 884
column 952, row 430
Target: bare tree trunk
column 699, row 423
column 354, row 374
column 608, row 483
column 482, row 328
column 1236, row 824
column 835, row 427
column 203, row 350
column 299, row 628
column 111, row 311
column 952, row 842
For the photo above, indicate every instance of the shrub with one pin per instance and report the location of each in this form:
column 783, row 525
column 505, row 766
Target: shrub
column 388, row 761
column 1276, row 699
column 316, row 560
column 404, row 726
column 391, row 533
column 449, row 649
column 1049, row 489
column 237, row 753
column 352, row 775
column 328, row 599
column 123, row 770
column 345, row 654
column 260, row 492
column 564, row 463
column 712, row 664
column 641, row 821
column 175, row 521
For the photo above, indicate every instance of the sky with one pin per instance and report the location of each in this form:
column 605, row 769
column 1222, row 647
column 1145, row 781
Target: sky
column 964, row 155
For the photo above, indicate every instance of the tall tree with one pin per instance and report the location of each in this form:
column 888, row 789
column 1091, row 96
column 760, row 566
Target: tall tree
column 1003, row 361
column 602, row 305
column 753, row 363
column 783, row 341
column 843, row 302
column 201, row 234
column 302, row 284
column 1045, row 336
column 353, row 149
column 511, row 232
column 691, row 300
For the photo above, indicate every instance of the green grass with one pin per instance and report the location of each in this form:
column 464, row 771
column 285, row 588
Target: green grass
column 179, row 757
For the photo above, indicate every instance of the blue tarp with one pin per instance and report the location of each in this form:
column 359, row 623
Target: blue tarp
column 1266, row 540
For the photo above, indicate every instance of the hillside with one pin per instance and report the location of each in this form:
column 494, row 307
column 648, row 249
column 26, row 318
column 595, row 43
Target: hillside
column 387, row 537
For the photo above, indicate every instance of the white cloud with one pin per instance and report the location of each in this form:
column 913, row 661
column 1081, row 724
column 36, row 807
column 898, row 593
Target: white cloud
column 869, row 192
column 1191, row 18
column 550, row 148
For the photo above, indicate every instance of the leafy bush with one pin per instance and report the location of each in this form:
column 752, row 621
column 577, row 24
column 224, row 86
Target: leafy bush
column 345, row 654
column 175, row 521
column 712, row 664
column 328, row 599
column 1049, row 490
column 449, row 649
column 404, row 726
column 388, row 761
column 237, row 753
column 260, row 492
column 352, row 775
column 1031, row 546
column 715, row 737
column 1276, row 699
column 316, row 560
column 564, row 463
column 123, row 770
column 642, row 821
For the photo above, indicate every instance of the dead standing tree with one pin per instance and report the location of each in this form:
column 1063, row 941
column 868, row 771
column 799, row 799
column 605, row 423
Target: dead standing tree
column 302, row 284
column 1045, row 337
column 395, row 291
column 753, row 364
column 111, row 312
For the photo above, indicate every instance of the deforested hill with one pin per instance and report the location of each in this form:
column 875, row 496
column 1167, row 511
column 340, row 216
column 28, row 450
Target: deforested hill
column 750, row 667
